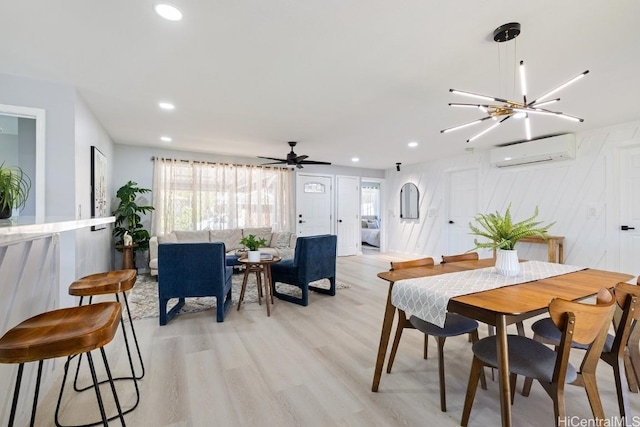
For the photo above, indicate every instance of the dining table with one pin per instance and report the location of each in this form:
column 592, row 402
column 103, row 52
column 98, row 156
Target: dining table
column 498, row 307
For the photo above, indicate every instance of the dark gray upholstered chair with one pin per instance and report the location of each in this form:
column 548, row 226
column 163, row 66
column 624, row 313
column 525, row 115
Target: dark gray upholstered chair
column 314, row 259
column 586, row 324
column 454, row 325
column 627, row 335
column 188, row 270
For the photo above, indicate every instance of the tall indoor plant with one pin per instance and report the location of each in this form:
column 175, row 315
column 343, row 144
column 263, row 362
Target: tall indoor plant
column 502, row 234
column 128, row 216
column 15, row 185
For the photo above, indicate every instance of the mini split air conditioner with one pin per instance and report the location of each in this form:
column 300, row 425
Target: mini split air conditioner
column 561, row 147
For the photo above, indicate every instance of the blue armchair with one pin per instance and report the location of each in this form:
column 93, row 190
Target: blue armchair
column 315, row 259
column 193, row 270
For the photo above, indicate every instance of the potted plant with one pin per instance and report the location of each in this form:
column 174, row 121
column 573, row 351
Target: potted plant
column 502, row 234
column 252, row 243
column 14, row 189
column 128, row 216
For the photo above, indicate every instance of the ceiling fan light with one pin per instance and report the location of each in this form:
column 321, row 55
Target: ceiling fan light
column 523, row 81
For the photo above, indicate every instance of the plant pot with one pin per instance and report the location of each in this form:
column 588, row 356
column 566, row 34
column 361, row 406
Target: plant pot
column 5, row 213
column 253, row 256
column 507, row 263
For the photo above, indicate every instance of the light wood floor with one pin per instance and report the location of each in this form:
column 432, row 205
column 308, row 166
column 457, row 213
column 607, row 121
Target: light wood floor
column 309, row 366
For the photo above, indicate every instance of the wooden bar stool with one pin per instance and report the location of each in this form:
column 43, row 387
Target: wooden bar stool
column 111, row 282
column 59, row 333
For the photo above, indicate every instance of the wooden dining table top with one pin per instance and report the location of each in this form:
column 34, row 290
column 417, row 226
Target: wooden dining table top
column 524, row 299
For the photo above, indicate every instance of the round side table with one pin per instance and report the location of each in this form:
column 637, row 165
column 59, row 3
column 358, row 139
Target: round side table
column 259, row 267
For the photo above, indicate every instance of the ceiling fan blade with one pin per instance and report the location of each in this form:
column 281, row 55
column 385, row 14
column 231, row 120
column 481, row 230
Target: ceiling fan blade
column 313, row 162
column 299, row 165
column 300, row 158
column 273, row 163
column 273, row 158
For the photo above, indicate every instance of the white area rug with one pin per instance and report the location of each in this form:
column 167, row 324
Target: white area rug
column 143, row 299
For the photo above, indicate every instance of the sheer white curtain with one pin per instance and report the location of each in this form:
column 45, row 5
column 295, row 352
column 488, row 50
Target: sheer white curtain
column 190, row 195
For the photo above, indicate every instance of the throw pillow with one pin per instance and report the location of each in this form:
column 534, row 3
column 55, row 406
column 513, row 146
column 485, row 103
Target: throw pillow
column 364, row 224
column 230, row 237
column 280, row 240
column 192, row 236
column 167, row 238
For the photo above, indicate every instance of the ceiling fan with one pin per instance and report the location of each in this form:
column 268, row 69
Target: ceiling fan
column 293, row 159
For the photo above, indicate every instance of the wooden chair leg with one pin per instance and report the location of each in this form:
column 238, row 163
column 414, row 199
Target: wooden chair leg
column 631, row 374
column 512, row 385
column 402, row 319
column 443, row 391
column 591, row 387
column 526, row 388
column 620, row 378
column 483, row 380
column 426, row 347
column 472, row 386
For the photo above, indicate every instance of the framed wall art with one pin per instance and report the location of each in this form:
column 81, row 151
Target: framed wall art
column 98, row 187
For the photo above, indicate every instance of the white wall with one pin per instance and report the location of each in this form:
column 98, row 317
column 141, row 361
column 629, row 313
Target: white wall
column 563, row 191
column 95, row 249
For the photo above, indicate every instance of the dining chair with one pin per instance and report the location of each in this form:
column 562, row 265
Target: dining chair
column 583, row 323
column 613, row 353
column 454, row 325
column 472, row 256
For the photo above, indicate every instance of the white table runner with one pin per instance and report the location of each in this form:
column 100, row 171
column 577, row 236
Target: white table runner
column 427, row 297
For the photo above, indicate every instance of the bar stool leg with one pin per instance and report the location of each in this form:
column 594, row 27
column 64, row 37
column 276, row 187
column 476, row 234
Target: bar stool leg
column 16, row 392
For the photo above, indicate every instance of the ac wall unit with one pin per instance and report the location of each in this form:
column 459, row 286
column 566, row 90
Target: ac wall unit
column 561, row 147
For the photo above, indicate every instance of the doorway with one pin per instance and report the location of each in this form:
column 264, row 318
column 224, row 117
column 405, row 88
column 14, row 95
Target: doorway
column 372, row 223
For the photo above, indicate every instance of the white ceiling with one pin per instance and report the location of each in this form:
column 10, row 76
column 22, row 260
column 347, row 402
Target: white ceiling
column 345, row 78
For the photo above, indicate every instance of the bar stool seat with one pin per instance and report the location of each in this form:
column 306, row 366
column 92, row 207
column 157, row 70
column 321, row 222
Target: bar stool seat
column 59, row 333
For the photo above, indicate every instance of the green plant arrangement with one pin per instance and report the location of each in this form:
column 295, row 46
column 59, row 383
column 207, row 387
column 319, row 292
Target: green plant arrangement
column 252, row 243
column 128, row 216
column 15, row 185
column 502, row 232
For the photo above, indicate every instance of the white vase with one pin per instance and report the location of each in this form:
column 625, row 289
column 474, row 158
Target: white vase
column 507, row 263
column 253, row 256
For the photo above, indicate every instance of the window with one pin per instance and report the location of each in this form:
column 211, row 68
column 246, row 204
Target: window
column 370, row 200
column 190, row 195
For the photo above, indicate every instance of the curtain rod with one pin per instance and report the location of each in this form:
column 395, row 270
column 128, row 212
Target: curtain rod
column 153, row 158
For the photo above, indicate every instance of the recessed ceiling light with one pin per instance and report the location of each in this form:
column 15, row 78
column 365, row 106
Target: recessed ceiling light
column 168, row 12
column 413, row 144
column 166, row 106
column 355, row 159
column 166, row 138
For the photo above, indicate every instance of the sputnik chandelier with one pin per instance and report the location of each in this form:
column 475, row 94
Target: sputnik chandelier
column 499, row 109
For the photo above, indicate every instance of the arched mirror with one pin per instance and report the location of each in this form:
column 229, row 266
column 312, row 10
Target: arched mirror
column 409, row 196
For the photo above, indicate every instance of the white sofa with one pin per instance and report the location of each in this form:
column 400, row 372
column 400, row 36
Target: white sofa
column 279, row 243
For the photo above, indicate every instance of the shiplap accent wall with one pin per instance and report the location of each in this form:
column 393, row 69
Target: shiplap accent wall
column 29, row 286
column 564, row 191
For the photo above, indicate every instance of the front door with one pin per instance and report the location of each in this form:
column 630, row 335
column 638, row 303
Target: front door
column 462, row 207
column 313, row 205
column 348, row 225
